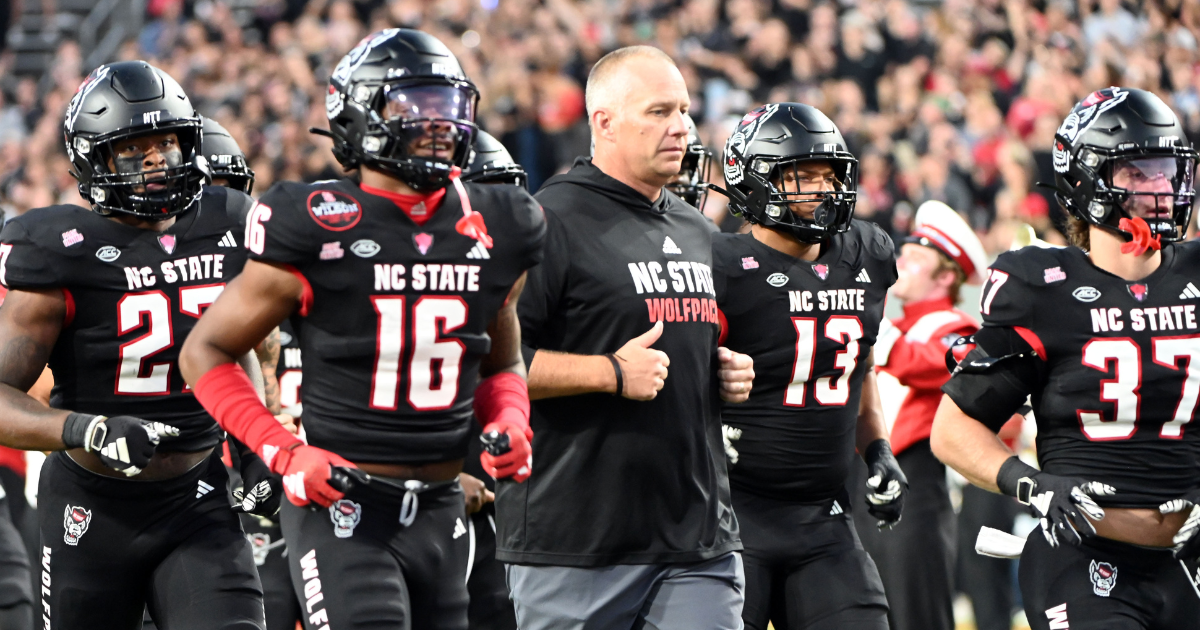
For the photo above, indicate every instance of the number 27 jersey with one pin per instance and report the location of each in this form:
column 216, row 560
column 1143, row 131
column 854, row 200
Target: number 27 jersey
column 1122, row 366
column 395, row 321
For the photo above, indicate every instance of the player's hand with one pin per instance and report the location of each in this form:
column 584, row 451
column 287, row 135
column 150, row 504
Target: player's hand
column 1187, row 540
column 288, row 421
column 306, row 471
column 736, row 374
column 1063, row 506
column 475, row 493
column 643, row 369
column 517, row 462
column 886, row 484
column 260, row 492
column 124, row 443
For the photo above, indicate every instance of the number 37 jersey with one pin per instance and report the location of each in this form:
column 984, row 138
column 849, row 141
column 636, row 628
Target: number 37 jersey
column 1121, row 372
column 133, row 295
column 395, row 318
column 809, row 326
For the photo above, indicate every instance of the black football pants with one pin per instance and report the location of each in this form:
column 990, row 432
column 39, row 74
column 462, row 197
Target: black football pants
column 805, row 567
column 111, row 548
column 356, row 566
column 16, row 598
column 491, row 606
column 1107, row 585
column 270, row 556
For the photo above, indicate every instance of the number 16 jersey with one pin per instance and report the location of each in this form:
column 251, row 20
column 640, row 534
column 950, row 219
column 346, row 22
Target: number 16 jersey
column 395, row 314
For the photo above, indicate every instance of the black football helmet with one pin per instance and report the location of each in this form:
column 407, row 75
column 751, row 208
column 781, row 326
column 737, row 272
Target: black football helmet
column 122, row 101
column 225, row 158
column 492, row 164
column 692, row 184
column 766, row 144
column 1132, row 135
column 400, row 88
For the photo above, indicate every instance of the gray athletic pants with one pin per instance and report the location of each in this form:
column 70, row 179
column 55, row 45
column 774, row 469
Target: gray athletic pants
column 705, row 595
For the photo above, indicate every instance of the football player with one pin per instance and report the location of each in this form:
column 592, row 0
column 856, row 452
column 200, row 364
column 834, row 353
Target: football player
column 133, row 514
column 408, row 283
column 692, row 184
column 228, row 167
column 1104, row 337
column 491, row 607
column 803, row 295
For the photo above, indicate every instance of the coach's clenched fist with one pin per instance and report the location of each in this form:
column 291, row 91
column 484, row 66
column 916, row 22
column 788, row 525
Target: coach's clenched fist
column 736, row 374
column 643, row 370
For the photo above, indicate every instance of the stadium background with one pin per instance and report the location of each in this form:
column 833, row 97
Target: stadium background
column 955, row 101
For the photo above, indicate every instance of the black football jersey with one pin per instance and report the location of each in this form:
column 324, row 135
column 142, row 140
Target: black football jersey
column 809, row 327
column 133, row 295
column 290, row 368
column 397, row 322
column 1121, row 378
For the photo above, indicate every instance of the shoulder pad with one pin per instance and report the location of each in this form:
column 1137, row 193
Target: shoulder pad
column 35, row 247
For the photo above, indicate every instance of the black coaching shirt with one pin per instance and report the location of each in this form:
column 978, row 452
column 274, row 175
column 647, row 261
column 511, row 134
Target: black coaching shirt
column 617, row 481
column 395, row 322
column 133, row 295
column 1118, row 367
column 809, row 326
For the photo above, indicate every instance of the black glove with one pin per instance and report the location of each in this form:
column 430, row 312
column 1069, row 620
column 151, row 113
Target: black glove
column 886, row 484
column 261, row 491
column 1060, row 503
column 1187, row 540
column 124, row 443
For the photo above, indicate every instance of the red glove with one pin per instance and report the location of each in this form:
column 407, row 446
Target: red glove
column 518, row 461
column 226, row 392
column 502, row 404
column 306, row 471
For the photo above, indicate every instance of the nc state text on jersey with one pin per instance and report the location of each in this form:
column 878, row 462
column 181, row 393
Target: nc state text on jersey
column 427, row 277
column 828, row 300
column 200, row 267
column 692, row 277
column 1179, row 317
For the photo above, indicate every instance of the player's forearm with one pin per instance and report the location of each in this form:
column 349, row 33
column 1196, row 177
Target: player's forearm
column 505, row 332
column 554, row 374
column 28, row 424
column 249, row 363
column 967, row 445
column 268, row 360
column 871, row 425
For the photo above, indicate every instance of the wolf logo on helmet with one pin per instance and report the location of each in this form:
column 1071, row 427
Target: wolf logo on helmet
column 746, row 132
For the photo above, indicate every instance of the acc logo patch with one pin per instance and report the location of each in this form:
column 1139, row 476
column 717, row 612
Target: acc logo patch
column 334, row 210
column 777, row 279
column 108, row 253
column 345, row 515
column 1086, row 294
column 75, row 524
column 1104, row 578
column 365, row 248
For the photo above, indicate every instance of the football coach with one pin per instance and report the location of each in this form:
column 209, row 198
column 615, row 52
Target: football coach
column 626, row 521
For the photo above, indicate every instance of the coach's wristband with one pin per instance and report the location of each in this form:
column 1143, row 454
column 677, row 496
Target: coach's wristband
column 78, row 427
column 620, row 390
column 1016, row 478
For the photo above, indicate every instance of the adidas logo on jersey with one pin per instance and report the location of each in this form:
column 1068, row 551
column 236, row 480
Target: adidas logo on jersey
column 203, row 489
column 459, row 528
column 1190, row 292
column 836, row 509
column 669, row 247
column 863, row 277
column 227, row 240
column 479, row 252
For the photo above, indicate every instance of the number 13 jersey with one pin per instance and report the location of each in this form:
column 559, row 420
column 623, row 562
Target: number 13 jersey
column 1121, row 372
column 809, row 327
column 395, row 314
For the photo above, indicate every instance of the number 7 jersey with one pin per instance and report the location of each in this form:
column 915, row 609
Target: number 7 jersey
column 395, row 315
column 133, row 295
column 1121, row 372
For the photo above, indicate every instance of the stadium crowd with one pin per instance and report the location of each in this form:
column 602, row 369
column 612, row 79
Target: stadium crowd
column 955, row 101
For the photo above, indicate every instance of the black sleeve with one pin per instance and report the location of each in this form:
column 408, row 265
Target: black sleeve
column 26, row 263
column 993, row 380
column 279, row 229
column 237, row 206
column 544, row 288
column 1007, row 297
column 530, row 221
column 881, row 247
